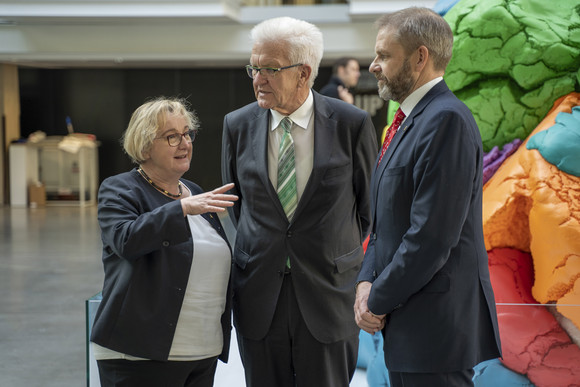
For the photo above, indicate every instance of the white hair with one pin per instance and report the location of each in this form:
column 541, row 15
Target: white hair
column 303, row 40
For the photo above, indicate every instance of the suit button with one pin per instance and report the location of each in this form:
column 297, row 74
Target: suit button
column 289, row 234
column 165, row 244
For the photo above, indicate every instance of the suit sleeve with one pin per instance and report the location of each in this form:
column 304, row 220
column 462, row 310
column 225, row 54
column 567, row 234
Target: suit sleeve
column 364, row 158
column 445, row 166
column 367, row 272
column 229, row 174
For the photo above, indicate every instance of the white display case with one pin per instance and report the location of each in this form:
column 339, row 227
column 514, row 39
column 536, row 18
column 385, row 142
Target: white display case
column 23, row 172
column 68, row 177
column 69, row 173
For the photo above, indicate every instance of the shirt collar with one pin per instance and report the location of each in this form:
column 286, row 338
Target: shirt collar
column 300, row 117
column 412, row 100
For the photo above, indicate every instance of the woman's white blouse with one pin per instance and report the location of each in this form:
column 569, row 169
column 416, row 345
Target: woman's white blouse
column 198, row 334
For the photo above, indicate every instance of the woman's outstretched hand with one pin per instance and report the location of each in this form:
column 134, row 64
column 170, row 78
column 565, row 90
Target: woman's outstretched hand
column 212, row 201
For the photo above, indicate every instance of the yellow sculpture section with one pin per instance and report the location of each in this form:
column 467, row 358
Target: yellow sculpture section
column 532, row 206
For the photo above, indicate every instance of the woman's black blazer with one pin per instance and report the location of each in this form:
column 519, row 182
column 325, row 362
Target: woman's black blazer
column 147, row 257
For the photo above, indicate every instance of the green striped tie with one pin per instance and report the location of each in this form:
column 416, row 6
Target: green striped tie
column 287, row 171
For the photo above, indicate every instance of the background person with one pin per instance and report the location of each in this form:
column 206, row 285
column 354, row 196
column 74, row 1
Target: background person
column 345, row 75
column 425, row 278
column 165, row 314
column 297, row 255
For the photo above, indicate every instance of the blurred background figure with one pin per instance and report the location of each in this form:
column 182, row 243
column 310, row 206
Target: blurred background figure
column 345, row 75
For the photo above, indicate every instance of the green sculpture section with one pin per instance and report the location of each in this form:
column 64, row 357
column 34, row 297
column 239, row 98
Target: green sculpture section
column 512, row 60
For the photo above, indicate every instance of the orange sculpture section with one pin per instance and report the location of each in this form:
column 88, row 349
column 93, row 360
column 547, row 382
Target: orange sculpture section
column 532, row 206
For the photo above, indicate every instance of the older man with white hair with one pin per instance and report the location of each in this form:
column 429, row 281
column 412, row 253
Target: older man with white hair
column 301, row 164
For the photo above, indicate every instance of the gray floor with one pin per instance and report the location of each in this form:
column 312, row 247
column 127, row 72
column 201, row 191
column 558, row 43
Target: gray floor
column 49, row 265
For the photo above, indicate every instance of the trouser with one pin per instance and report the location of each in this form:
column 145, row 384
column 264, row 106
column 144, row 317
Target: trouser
column 289, row 356
column 149, row 373
column 451, row 379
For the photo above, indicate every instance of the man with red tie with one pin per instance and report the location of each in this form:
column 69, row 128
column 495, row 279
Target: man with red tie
column 425, row 279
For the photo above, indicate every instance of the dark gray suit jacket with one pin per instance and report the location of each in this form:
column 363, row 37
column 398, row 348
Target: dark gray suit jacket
column 426, row 256
column 324, row 238
column 147, row 256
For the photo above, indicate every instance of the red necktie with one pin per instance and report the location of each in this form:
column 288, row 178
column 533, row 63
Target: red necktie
column 399, row 117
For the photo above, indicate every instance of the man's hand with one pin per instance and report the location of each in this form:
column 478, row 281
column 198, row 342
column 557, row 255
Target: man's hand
column 365, row 319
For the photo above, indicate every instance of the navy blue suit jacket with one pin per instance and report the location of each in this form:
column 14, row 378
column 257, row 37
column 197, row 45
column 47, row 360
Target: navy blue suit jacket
column 426, row 256
column 324, row 238
column 147, row 257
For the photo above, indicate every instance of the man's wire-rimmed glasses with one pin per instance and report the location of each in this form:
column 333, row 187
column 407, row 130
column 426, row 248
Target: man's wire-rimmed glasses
column 175, row 139
column 267, row 71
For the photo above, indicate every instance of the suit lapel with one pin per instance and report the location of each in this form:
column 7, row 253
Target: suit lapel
column 259, row 134
column 324, row 137
column 380, row 169
column 395, row 143
column 403, row 131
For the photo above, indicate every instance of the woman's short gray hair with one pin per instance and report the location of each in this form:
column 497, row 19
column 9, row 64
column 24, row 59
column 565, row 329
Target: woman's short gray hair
column 148, row 119
column 302, row 40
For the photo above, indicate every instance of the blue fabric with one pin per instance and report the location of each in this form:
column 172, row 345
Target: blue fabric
column 372, row 357
column 490, row 373
column 366, row 350
column 443, row 6
column 377, row 373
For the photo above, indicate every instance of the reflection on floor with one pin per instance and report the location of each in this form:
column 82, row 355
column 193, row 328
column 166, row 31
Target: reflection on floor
column 49, row 265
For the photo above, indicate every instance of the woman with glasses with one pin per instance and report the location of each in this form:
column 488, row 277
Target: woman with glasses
column 164, row 319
